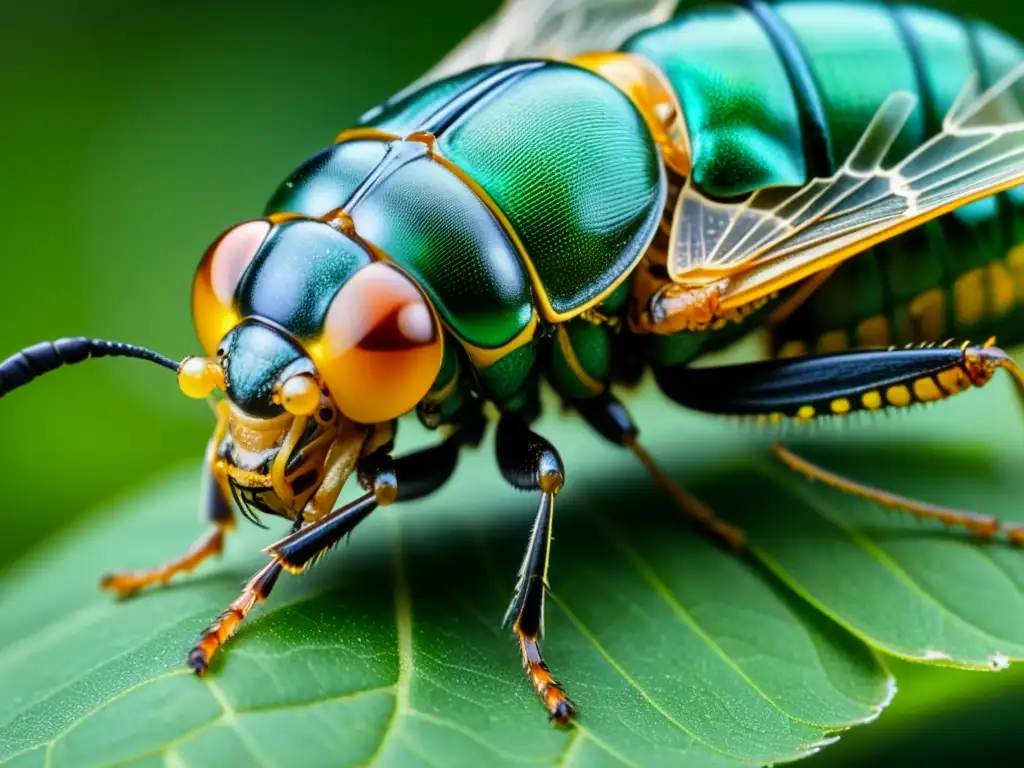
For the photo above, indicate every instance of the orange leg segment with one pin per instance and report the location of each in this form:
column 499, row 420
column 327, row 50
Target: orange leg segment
column 126, row 583
column 559, row 706
column 981, row 525
column 730, row 535
column 526, row 616
column 531, row 463
column 218, row 633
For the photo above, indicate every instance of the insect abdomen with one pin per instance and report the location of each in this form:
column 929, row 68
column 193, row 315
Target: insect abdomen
column 776, row 93
column 961, row 276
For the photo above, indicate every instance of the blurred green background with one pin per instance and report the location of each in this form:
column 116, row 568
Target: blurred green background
column 132, row 134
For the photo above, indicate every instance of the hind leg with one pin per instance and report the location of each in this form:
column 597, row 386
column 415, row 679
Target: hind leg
column 809, row 387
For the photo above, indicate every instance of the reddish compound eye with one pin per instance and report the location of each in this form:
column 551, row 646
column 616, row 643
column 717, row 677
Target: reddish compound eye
column 381, row 345
column 213, row 290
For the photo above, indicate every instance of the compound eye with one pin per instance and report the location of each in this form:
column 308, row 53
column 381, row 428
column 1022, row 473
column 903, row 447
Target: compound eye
column 381, row 346
column 213, row 290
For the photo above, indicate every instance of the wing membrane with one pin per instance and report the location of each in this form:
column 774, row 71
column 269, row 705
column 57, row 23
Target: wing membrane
column 777, row 237
column 553, row 29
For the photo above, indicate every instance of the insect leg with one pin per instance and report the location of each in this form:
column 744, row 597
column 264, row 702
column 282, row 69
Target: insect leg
column 981, row 525
column 530, row 463
column 256, row 590
column 836, row 384
column 388, row 480
column 217, row 512
column 126, row 583
column 610, row 418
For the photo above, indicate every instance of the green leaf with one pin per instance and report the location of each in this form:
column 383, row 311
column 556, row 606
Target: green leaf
column 390, row 652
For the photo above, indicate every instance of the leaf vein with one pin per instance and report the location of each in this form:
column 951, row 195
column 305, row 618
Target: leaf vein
column 403, row 633
column 230, row 718
column 666, row 595
column 592, row 639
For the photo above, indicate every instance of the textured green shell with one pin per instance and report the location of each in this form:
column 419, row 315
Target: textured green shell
column 857, row 57
column 738, row 102
column 429, row 222
column 938, row 53
column 410, row 111
column 504, row 380
column 327, row 179
column 569, row 161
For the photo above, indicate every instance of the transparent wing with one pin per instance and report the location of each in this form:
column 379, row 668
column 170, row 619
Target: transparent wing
column 552, row 29
column 777, row 236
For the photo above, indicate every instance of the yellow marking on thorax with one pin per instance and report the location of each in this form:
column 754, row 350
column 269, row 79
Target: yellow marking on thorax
column 652, row 95
column 927, row 314
column 482, row 357
column 365, row 134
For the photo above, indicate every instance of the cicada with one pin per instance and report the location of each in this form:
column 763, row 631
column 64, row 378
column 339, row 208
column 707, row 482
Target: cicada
column 581, row 193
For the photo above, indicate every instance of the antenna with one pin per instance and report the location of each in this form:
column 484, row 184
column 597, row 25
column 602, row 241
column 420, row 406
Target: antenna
column 21, row 368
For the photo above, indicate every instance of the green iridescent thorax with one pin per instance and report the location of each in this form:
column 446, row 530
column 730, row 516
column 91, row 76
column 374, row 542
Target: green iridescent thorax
column 854, row 55
column 569, row 161
column 561, row 153
column 539, row 191
column 299, row 269
column 738, row 103
column 430, row 223
column 774, row 96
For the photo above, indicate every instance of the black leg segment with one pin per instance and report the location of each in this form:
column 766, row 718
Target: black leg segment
column 385, row 478
column 530, row 463
column 835, row 384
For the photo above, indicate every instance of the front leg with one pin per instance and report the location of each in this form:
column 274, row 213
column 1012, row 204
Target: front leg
column 530, row 463
column 217, row 512
column 403, row 479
